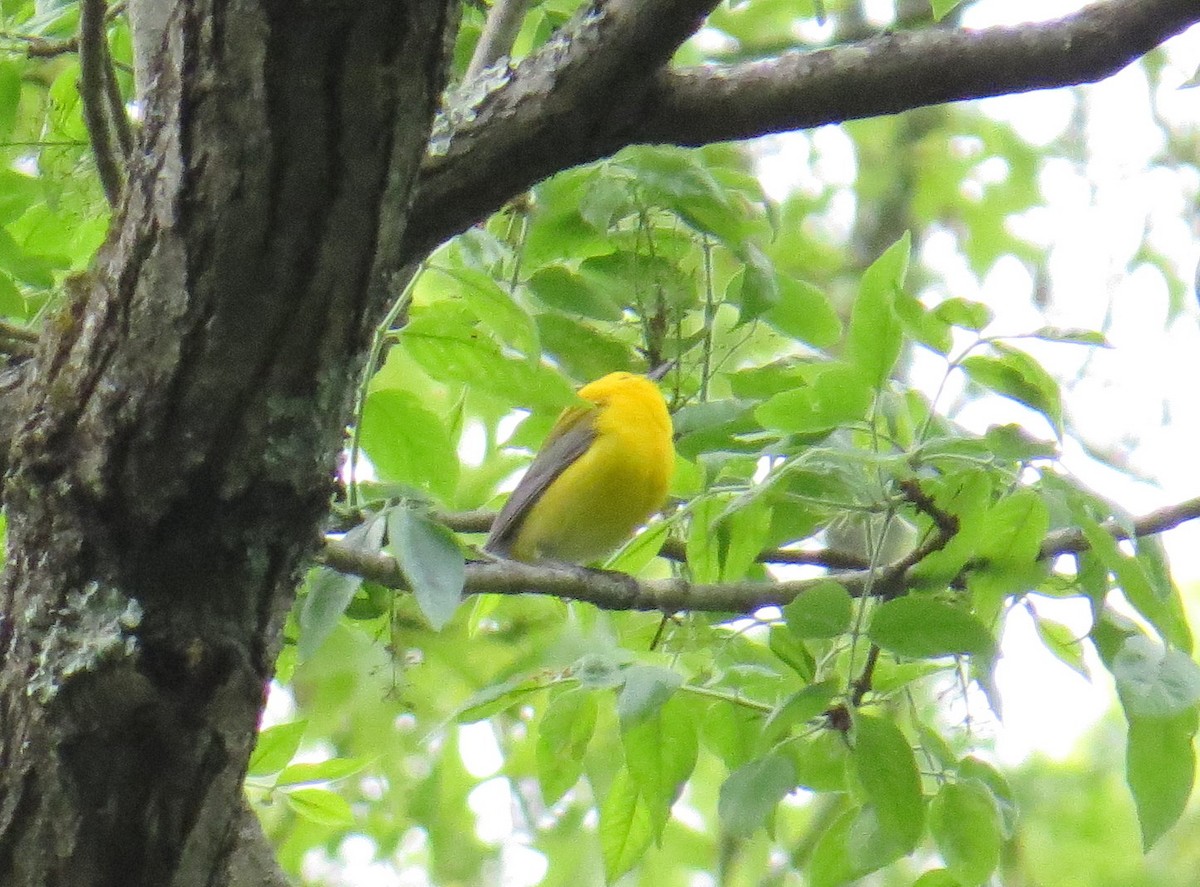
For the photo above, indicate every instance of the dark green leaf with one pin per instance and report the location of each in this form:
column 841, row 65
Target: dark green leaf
column 560, row 288
column 408, row 443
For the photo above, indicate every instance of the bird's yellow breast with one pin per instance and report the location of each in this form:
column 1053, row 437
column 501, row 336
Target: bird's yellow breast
column 602, row 497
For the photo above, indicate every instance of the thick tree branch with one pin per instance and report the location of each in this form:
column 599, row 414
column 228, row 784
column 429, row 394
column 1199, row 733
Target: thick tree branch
column 896, row 72
column 609, row 87
column 617, row 591
column 556, row 109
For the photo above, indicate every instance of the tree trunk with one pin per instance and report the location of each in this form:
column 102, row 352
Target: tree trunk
column 183, row 422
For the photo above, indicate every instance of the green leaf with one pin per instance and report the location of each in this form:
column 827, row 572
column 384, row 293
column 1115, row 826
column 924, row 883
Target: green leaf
column 444, row 339
column 1066, row 646
column 831, row 862
column 626, row 826
column 430, row 561
column 1155, row 681
column 755, row 289
column 496, row 309
column 563, row 736
column 275, row 747
column 645, row 690
column 10, row 96
column 328, row 594
column 924, row 325
column 320, row 806
column 1161, row 611
column 408, row 443
column 1160, row 767
column 660, row 752
column 964, row 313
column 941, row 7
column 322, row 771
column 823, row 611
column 875, row 336
column 805, row 314
column 751, row 792
column 1014, row 529
column 965, row 824
column 1018, row 376
column 799, row 708
column 837, row 395
column 1071, row 336
column 924, row 628
column 562, row 289
column 704, row 548
column 937, row 878
column 887, row 769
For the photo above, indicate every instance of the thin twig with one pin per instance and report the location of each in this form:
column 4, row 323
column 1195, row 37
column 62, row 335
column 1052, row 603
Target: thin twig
column 499, row 33
column 93, row 75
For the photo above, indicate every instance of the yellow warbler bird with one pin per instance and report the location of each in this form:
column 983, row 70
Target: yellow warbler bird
column 601, row 472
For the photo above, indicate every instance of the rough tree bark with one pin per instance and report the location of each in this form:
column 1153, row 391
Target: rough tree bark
column 183, row 421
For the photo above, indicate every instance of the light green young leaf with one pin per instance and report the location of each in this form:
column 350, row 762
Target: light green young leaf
column 430, row 561
column 941, row 7
column 320, row 806
column 839, row 394
column 965, row 823
column 626, row 826
column 964, row 313
column 1018, row 376
column 875, row 335
column 750, row 794
column 563, row 736
column 887, row 769
column 1070, row 336
column 322, row 771
column 805, row 314
column 275, row 747
column 660, row 753
column 924, row 628
column 408, row 443
column 823, row 611
column 1160, row 767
